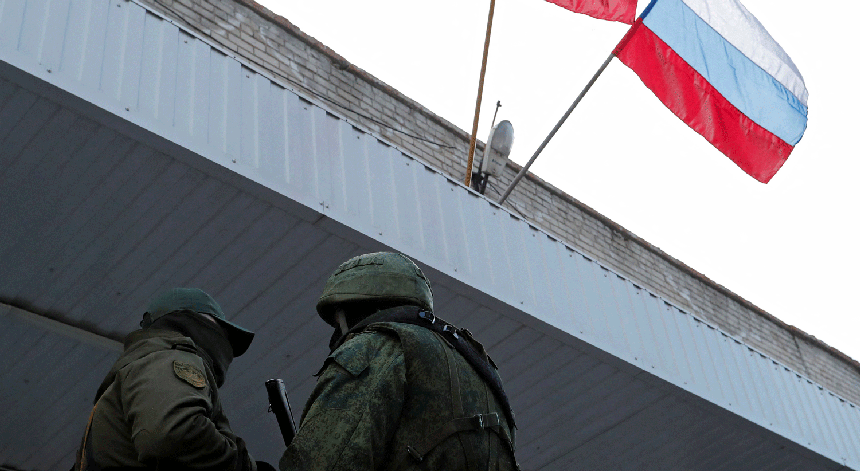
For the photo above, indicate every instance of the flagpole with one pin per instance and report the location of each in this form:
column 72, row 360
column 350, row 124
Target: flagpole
column 468, row 180
column 555, row 129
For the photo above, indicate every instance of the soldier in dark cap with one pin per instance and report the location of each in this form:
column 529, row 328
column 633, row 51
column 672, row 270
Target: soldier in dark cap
column 158, row 407
column 401, row 389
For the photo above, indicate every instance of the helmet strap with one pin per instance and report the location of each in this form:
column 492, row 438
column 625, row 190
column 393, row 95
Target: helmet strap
column 340, row 316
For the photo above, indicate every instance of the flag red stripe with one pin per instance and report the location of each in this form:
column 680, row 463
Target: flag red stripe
column 612, row 10
column 754, row 149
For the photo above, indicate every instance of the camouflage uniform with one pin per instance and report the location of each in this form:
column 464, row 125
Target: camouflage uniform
column 398, row 396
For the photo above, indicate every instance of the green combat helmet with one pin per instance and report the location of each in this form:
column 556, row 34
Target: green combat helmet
column 193, row 299
column 382, row 277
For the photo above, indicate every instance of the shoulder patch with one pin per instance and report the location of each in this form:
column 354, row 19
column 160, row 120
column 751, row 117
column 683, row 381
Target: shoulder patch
column 190, row 374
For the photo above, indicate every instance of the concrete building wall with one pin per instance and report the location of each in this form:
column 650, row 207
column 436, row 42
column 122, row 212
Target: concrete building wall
column 258, row 36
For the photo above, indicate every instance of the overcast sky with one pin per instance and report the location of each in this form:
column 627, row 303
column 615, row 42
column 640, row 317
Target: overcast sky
column 789, row 247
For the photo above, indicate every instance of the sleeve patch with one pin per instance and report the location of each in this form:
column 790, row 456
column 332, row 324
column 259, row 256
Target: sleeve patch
column 190, row 374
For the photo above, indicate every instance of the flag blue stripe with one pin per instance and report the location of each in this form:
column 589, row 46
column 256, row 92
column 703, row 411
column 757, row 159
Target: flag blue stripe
column 740, row 80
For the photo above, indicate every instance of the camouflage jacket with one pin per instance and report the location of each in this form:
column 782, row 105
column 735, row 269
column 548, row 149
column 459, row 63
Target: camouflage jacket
column 158, row 408
column 395, row 397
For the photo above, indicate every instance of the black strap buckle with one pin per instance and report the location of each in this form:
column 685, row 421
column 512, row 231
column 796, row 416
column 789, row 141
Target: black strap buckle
column 427, row 316
column 482, row 421
column 450, row 328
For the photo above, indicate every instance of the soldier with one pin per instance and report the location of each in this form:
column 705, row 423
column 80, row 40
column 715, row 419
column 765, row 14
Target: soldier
column 401, row 389
column 158, row 407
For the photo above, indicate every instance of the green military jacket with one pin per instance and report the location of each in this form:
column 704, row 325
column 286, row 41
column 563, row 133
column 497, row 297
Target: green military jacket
column 399, row 397
column 159, row 408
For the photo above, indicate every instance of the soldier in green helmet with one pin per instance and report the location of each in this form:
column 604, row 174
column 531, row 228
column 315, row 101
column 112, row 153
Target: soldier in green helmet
column 401, row 389
column 158, row 407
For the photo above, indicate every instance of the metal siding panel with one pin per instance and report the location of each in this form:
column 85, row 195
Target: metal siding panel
column 833, row 440
column 609, row 318
column 87, row 376
column 793, row 415
column 168, row 42
column 185, row 79
column 272, row 141
column 658, row 347
column 7, row 91
column 586, row 307
column 670, row 344
column 762, row 368
column 735, row 382
column 91, row 69
column 404, row 181
column 52, row 240
column 805, row 395
column 56, row 26
column 842, row 435
column 806, row 432
column 851, row 419
column 114, row 49
column 129, row 90
column 265, row 230
column 156, row 250
column 559, row 311
column 330, row 138
column 16, row 108
column 711, row 346
column 150, row 68
column 37, row 394
column 533, row 277
column 36, row 116
column 11, row 22
column 83, row 223
column 353, row 174
column 233, row 88
column 200, row 104
column 498, row 268
column 629, row 327
column 33, row 28
column 702, row 375
column 753, row 381
column 511, row 239
column 430, row 213
column 450, row 198
column 218, row 98
column 647, row 355
column 627, row 335
column 302, row 151
column 714, row 393
column 383, row 204
column 75, row 40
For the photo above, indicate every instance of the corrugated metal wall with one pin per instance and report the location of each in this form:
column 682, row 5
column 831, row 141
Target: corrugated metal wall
column 146, row 70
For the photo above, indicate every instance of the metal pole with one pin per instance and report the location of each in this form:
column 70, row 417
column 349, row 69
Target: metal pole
column 555, row 129
column 480, row 93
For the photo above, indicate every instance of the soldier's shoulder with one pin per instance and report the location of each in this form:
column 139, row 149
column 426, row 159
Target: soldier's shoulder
column 364, row 348
column 158, row 355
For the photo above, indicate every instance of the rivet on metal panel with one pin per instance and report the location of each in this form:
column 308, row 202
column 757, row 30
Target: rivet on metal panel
column 234, row 161
column 127, row 109
column 49, row 71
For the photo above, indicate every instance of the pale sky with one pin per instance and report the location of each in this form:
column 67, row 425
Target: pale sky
column 788, row 247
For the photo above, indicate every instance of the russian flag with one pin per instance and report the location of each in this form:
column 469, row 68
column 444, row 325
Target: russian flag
column 612, row 10
column 715, row 66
